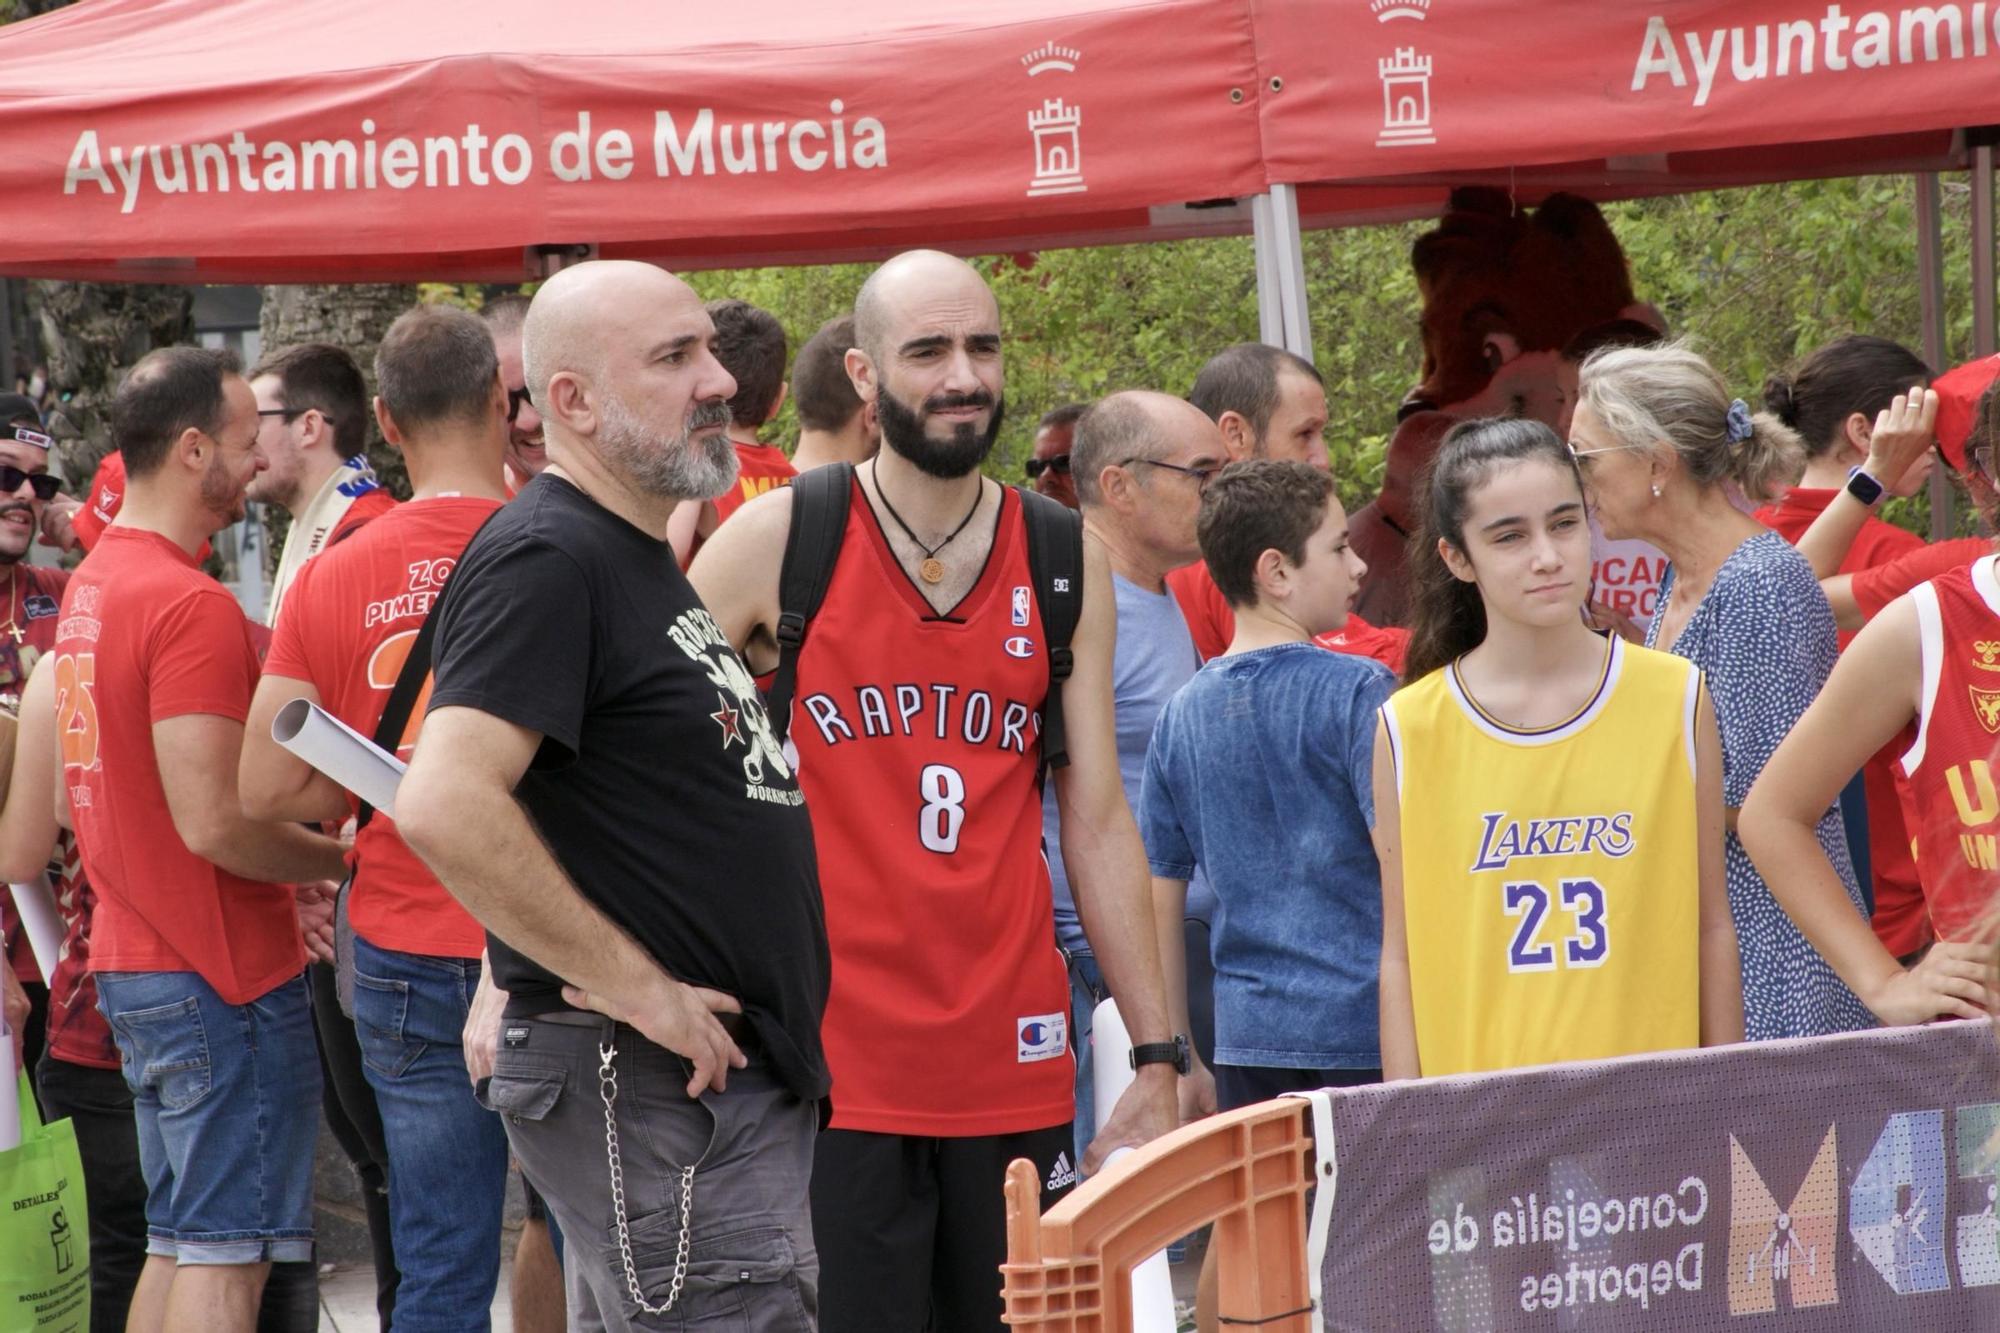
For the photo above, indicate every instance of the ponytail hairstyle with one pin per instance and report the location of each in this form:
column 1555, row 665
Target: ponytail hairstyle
column 1447, row 615
column 1649, row 397
column 1858, row 373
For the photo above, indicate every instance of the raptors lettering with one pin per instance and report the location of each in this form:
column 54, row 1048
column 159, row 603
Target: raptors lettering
column 940, row 710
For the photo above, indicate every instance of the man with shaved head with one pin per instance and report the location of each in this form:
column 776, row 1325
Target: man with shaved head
column 596, row 781
column 920, row 689
column 1140, row 462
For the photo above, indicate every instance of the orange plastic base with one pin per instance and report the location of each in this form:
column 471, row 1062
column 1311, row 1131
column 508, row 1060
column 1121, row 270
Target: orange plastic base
column 1247, row 1172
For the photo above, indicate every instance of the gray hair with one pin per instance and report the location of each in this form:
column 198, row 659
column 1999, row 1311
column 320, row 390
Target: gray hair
column 1112, row 430
column 1667, row 395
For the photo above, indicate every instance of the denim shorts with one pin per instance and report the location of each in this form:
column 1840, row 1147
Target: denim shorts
column 226, row 1097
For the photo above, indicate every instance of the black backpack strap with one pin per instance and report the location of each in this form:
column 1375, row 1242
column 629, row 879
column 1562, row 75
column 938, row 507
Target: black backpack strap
column 410, row 681
column 409, row 684
column 821, row 497
column 1055, row 561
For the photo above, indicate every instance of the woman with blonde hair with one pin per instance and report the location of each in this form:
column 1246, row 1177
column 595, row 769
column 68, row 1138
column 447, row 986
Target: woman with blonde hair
column 1662, row 445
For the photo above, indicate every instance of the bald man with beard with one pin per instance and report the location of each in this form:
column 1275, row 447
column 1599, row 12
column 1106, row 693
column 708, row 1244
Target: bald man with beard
column 947, row 1031
column 596, row 781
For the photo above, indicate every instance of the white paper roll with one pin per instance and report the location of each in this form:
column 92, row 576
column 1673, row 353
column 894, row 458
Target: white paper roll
column 1111, row 1074
column 36, row 902
column 340, row 752
column 10, row 1102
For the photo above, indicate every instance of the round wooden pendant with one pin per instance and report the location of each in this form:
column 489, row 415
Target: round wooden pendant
column 931, row 571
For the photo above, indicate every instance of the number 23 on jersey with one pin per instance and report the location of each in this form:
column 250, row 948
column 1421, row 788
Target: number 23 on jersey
column 1584, row 941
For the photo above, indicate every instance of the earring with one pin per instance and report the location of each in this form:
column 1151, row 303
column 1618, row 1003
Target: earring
column 1656, row 490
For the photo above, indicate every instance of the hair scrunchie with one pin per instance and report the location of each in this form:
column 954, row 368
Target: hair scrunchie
column 1740, row 426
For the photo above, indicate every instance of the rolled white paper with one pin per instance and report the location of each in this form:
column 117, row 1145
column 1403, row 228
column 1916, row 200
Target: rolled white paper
column 10, row 1103
column 36, row 902
column 340, row 752
column 1111, row 1073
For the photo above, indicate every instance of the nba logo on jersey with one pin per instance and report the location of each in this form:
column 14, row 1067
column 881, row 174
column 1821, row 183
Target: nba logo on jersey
column 1040, row 1037
column 1020, row 606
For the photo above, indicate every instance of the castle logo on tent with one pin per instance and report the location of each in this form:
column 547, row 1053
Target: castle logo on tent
column 1388, row 11
column 1056, row 127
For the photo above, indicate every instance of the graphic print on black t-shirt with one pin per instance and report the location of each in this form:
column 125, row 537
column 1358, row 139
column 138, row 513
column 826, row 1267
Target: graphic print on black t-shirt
column 739, row 709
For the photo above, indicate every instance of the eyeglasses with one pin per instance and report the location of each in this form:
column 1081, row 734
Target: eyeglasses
column 1580, row 454
column 1202, row 475
column 46, row 484
column 518, row 399
column 1058, row 465
column 287, row 413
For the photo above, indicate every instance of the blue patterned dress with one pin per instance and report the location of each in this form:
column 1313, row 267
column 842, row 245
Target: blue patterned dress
column 1763, row 637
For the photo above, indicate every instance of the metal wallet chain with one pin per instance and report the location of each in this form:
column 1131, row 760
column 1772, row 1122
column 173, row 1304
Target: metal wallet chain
column 607, row 1088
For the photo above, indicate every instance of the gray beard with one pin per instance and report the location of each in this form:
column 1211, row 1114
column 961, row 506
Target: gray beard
column 679, row 468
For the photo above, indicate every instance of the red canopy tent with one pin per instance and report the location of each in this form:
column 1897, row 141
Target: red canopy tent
column 349, row 140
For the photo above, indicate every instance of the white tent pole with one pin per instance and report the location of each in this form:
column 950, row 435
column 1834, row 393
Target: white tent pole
column 1291, row 269
column 1982, row 251
column 1930, row 304
column 1270, row 300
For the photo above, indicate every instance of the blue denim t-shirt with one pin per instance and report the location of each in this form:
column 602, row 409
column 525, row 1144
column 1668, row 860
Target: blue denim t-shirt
column 1260, row 775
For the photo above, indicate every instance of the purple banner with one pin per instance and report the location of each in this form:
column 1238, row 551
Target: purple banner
column 1841, row 1183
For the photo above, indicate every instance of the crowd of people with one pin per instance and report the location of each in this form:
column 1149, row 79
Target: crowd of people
column 775, row 822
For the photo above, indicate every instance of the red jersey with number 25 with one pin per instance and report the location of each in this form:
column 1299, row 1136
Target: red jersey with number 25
column 1951, row 766
column 918, row 740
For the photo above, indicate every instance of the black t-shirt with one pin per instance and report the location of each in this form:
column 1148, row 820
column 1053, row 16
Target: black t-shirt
column 658, row 784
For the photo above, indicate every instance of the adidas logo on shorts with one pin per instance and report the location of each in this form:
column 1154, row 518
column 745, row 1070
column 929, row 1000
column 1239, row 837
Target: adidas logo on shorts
column 1062, row 1174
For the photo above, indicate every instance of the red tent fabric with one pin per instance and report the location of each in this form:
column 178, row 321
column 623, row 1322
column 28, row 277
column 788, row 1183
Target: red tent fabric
column 350, row 140
column 1398, row 98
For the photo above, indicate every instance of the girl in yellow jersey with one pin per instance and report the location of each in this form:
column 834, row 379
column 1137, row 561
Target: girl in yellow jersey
column 1548, row 800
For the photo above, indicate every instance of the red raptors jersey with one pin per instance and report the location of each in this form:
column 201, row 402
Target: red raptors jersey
column 1951, row 765
column 918, row 741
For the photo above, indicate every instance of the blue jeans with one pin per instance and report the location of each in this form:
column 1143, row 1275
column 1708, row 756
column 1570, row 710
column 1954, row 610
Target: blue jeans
column 226, row 1098
column 447, row 1154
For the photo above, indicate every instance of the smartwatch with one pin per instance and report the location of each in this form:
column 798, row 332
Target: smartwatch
column 1173, row 1053
column 1864, row 487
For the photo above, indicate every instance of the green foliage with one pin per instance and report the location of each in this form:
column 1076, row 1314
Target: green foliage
column 1754, row 277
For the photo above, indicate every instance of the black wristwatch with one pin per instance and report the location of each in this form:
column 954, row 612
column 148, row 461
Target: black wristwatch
column 1864, row 488
column 1173, row 1053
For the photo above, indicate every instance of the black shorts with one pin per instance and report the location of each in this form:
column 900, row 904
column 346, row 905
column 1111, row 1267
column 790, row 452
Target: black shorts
column 1238, row 1086
column 912, row 1231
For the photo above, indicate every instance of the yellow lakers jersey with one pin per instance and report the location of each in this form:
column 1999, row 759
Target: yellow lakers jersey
column 1551, row 877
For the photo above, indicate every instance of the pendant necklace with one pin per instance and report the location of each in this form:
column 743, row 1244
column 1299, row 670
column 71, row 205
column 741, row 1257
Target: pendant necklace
column 932, row 569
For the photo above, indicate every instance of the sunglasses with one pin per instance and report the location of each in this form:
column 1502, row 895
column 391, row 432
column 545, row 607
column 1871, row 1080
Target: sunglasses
column 1058, row 465
column 516, row 400
column 46, row 484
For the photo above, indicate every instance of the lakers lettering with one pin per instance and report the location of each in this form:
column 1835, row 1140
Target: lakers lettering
column 1503, row 840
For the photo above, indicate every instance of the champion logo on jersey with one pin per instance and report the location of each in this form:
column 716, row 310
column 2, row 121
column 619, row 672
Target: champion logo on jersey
column 1020, row 605
column 1986, row 707
column 1062, row 1174
column 1020, row 646
column 1040, row 1037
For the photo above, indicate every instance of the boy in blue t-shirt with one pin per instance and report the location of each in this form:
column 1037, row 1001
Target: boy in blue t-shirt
column 1259, row 773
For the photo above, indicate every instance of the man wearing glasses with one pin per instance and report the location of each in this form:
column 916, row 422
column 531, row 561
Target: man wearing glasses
column 1048, row 469
column 526, row 454
column 313, row 418
column 1140, row 463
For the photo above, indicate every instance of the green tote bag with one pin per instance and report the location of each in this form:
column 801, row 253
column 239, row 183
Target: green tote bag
column 44, row 1238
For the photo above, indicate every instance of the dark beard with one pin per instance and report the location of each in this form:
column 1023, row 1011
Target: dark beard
column 903, row 431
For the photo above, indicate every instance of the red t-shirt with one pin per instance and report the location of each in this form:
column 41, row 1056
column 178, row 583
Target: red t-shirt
column 1900, row 920
column 34, row 598
column 145, row 636
column 919, row 753
column 1951, row 764
column 1213, row 624
column 759, row 468
column 1875, row 588
column 346, row 628
column 77, row 1030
